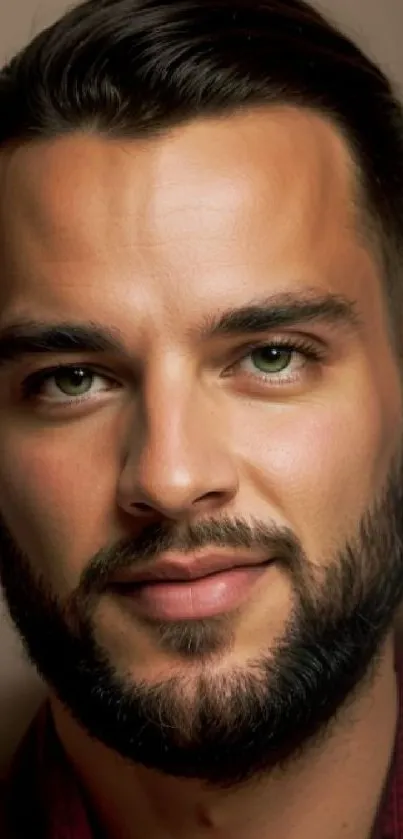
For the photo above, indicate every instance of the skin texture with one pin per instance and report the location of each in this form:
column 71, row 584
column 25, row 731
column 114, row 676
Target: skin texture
column 153, row 238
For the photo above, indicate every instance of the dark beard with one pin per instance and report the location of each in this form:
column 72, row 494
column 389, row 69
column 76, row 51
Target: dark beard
column 223, row 729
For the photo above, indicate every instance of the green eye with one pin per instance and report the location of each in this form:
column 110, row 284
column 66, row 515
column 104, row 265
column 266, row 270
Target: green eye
column 75, row 381
column 65, row 384
column 272, row 359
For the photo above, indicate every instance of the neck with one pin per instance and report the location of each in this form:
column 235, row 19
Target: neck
column 324, row 793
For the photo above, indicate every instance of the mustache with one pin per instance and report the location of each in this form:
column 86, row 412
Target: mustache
column 156, row 539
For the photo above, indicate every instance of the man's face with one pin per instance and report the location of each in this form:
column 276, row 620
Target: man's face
column 270, row 438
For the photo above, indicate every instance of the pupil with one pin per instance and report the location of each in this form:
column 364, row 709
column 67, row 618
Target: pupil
column 272, row 359
column 77, row 375
column 74, row 379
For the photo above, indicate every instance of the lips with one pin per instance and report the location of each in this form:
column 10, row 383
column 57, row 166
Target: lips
column 190, row 587
column 186, row 567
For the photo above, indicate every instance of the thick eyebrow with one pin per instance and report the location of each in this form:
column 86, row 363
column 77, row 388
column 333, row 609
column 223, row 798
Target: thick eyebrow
column 287, row 309
column 36, row 337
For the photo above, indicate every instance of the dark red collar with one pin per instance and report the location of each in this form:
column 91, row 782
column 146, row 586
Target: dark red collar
column 44, row 798
column 389, row 824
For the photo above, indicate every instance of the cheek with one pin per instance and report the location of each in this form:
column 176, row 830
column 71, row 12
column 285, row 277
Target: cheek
column 318, row 464
column 58, row 504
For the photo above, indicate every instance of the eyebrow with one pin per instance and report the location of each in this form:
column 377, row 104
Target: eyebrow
column 36, row 337
column 286, row 309
column 31, row 337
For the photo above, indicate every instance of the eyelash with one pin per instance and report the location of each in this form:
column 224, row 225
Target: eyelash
column 33, row 384
column 310, row 352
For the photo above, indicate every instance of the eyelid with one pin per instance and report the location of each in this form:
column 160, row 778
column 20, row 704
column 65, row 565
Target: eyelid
column 312, row 349
column 34, row 380
column 312, row 353
column 291, row 342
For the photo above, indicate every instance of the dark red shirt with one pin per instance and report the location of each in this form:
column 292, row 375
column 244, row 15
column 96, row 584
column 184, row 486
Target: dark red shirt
column 43, row 798
column 389, row 824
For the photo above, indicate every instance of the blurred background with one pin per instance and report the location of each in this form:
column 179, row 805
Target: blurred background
column 378, row 26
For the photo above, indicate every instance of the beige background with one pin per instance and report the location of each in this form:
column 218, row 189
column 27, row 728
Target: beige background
column 378, row 26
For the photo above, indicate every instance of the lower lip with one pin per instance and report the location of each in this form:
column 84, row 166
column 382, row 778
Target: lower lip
column 193, row 599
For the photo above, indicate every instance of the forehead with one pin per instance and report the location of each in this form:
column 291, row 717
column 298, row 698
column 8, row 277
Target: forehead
column 202, row 216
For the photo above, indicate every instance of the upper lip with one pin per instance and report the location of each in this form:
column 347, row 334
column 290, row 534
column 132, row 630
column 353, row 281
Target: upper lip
column 190, row 566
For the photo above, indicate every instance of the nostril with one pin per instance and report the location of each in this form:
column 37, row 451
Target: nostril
column 143, row 508
column 214, row 495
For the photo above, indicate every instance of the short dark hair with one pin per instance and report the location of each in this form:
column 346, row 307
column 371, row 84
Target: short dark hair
column 138, row 67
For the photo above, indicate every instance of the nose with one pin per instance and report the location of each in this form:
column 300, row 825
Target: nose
column 178, row 462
